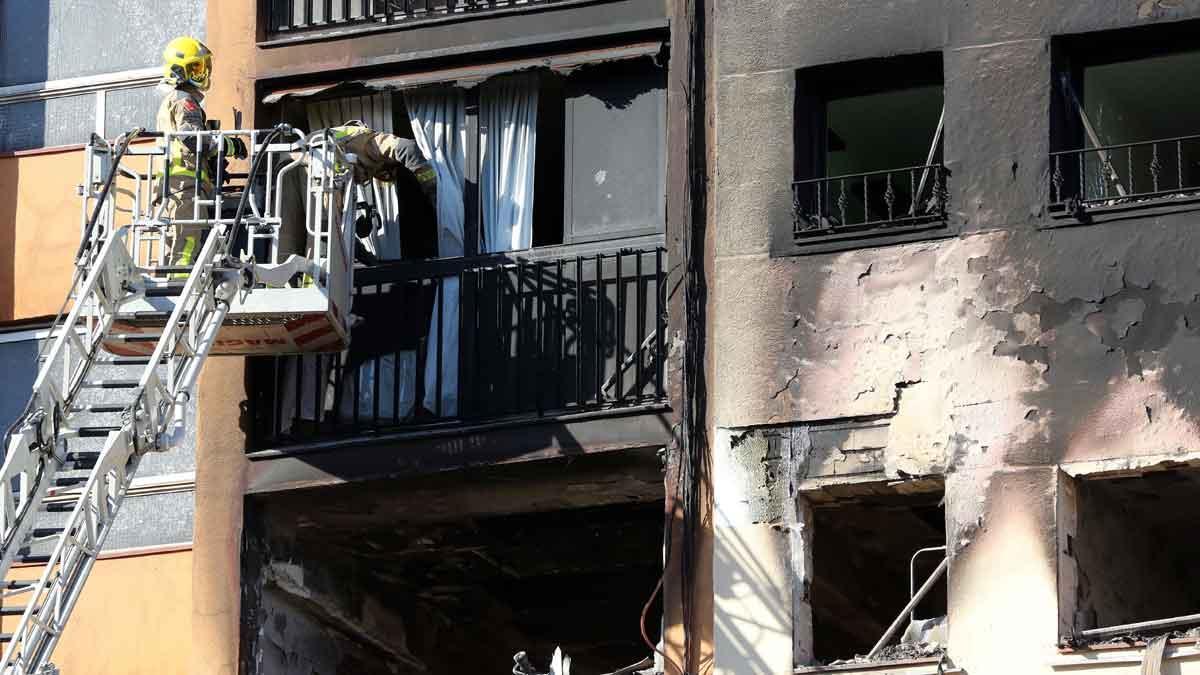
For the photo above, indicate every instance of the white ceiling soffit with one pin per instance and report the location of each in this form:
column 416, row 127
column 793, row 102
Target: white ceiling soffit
column 469, row 76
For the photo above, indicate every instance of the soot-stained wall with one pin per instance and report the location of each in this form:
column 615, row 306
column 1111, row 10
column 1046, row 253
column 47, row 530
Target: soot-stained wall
column 991, row 356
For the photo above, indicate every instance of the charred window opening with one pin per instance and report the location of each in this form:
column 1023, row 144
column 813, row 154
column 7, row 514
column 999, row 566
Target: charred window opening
column 1121, row 549
column 458, row 572
column 858, row 178
column 1117, row 135
column 862, row 553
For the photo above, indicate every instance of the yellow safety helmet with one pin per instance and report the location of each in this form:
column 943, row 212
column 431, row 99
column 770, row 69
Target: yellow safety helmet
column 187, row 61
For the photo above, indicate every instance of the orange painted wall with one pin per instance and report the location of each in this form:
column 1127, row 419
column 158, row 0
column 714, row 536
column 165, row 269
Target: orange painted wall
column 39, row 230
column 134, row 617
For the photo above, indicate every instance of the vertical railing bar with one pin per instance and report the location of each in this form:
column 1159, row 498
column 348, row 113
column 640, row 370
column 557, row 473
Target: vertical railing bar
column 866, row 202
column 599, row 330
column 659, row 298
column 539, row 339
column 327, row 9
column 578, row 335
column 441, row 340
column 476, row 369
column 299, row 394
column 1082, row 177
column 465, row 401
column 619, row 329
column 520, row 334
column 558, row 334
column 913, row 197
column 640, row 330
column 277, row 417
column 355, row 387
column 375, row 391
column 401, row 310
column 1129, row 167
column 318, row 404
column 499, row 373
column 308, row 12
column 1179, row 161
column 339, row 386
column 1155, row 167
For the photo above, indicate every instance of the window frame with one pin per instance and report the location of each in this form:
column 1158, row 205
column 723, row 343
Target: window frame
column 815, row 88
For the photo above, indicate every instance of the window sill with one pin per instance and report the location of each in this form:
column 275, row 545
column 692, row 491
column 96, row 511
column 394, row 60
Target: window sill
column 1059, row 216
column 861, row 240
column 1180, row 650
column 901, row 667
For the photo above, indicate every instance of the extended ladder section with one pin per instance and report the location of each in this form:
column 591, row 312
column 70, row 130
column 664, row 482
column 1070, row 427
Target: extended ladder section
column 59, row 499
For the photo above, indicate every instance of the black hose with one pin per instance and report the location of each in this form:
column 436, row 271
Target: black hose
column 277, row 131
column 123, row 142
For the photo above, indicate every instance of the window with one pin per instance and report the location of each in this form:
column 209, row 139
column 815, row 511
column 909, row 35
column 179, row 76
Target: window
column 1119, row 138
column 1126, row 554
column 870, row 557
column 859, row 178
column 579, row 157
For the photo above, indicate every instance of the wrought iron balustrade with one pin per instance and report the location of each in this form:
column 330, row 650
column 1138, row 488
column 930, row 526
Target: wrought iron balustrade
column 864, row 204
column 530, row 339
column 291, row 16
column 1124, row 174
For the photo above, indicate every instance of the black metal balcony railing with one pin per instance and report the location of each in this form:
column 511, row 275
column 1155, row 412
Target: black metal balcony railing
column 1124, row 174
column 912, row 198
column 288, row 16
column 533, row 339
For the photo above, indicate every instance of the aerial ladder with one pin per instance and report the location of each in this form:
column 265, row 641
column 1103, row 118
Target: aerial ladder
column 128, row 308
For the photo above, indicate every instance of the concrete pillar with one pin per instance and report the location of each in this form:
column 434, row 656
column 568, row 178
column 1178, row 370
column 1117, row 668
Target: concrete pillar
column 752, row 564
column 220, row 485
column 220, row 439
column 801, row 552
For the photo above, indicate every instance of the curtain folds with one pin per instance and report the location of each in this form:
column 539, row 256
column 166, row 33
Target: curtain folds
column 508, row 108
column 438, row 118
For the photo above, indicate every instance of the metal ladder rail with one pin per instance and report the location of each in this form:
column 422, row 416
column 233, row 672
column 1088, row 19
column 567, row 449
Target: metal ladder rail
column 28, row 463
column 156, row 423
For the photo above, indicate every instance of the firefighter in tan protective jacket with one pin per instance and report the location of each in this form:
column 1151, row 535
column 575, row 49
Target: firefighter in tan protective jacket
column 187, row 74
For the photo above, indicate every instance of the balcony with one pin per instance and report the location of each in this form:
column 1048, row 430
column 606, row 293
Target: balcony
column 290, row 17
column 523, row 341
column 1123, row 176
column 852, row 206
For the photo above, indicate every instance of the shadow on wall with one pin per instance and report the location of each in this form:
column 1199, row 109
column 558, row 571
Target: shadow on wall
column 752, row 615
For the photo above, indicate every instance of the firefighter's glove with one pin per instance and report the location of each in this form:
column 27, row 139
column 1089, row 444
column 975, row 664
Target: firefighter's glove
column 235, row 147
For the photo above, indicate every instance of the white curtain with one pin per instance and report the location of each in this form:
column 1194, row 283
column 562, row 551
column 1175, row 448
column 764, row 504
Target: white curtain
column 376, row 113
column 439, row 127
column 508, row 115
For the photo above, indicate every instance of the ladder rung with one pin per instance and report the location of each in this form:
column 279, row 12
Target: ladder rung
column 100, row 408
column 6, row 637
column 59, row 507
column 96, row 432
column 133, row 337
column 18, row 584
column 80, row 460
column 40, row 532
column 110, row 384
column 128, row 361
column 12, row 610
column 168, row 291
column 33, row 559
column 171, row 269
column 68, row 481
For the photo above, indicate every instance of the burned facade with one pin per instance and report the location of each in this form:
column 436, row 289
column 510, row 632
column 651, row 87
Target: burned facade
column 951, row 283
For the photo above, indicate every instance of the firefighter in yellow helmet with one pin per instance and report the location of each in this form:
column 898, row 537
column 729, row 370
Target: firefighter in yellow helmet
column 187, row 74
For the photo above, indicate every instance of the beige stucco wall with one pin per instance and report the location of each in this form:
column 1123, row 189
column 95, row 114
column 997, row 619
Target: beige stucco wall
column 39, row 230
column 133, row 618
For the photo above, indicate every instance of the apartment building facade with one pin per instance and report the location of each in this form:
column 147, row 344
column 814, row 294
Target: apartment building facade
column 951, row 265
